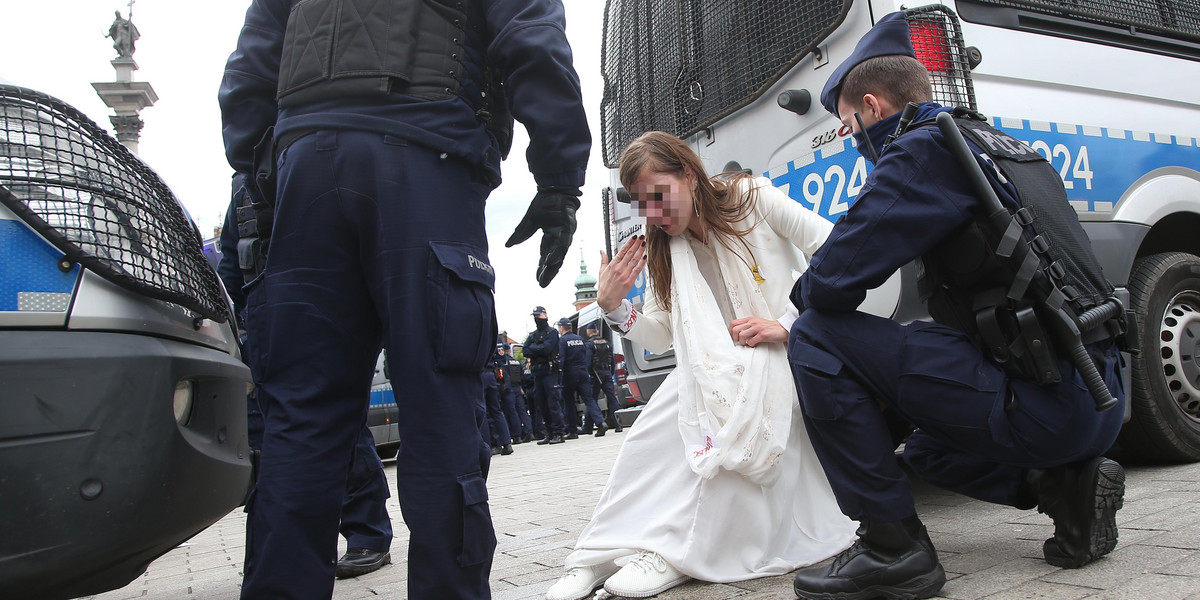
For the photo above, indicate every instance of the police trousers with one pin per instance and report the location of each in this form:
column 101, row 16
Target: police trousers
column 976, row 430
column 374, row 240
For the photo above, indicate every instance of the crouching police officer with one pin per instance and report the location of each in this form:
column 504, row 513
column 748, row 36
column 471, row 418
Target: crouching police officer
column 996, row 416
column 541, row 348
column 386, row 146
column 577, row 381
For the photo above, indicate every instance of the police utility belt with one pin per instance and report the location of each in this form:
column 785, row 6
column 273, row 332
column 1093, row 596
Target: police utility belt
column 1037, row 291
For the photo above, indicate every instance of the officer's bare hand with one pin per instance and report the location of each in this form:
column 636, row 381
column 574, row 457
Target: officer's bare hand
column 752, row 331
column 552, row 211
column 617, row 276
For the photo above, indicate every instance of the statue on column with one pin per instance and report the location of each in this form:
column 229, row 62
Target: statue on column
column 123, row 33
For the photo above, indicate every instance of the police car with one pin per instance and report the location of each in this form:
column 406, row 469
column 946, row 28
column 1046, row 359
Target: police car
column 122, row 396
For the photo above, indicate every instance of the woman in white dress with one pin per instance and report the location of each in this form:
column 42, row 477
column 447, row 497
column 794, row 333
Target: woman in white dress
column 717, row 481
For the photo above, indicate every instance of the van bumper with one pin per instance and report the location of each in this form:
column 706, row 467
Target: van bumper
column 98, row 478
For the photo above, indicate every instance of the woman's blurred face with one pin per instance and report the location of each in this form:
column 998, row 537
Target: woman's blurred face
column 665, row 199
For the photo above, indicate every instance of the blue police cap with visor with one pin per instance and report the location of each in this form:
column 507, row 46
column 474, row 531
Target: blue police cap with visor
column 537, row 310
column 564, row 322
column 890, row 36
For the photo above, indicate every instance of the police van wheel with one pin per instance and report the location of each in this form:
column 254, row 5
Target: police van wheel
column 1165, row 387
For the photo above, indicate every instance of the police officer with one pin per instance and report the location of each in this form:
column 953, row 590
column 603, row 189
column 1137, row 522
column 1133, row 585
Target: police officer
column 537, row 419
column 576, row 355
column 541, row 348
column 577, row 378
column 385, row 150
column 365, row 522
column 497, row 422
column 602, row 374
column 512, row 398
column 979, row 430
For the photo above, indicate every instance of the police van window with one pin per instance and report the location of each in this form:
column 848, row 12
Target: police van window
column 1169, row 27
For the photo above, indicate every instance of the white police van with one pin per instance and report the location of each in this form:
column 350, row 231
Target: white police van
column 383, row 414
column 122, row 397
column 1108, row 91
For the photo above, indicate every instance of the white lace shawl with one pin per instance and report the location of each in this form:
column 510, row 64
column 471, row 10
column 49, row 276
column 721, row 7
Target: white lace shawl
column 736, row 402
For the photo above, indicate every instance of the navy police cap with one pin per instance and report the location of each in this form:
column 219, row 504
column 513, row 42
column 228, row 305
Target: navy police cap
column 890, row 36
column 564, row 322
column 537, row 310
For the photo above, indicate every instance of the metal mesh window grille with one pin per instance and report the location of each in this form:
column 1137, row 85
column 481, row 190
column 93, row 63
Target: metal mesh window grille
column 938, row 43
column 100, row 204
column 681, row 65
column 1172, row 18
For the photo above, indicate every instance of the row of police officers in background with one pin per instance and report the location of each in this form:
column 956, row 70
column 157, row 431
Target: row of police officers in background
column 541, row 404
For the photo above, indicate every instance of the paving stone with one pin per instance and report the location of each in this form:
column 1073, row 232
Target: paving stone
column 542, row 497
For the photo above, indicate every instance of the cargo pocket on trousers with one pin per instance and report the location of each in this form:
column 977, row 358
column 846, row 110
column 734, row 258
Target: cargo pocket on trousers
column 479, row 539
column 462, row 326
column 817, row 383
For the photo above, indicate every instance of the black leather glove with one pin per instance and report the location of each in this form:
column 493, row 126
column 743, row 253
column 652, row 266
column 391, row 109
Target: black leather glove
column 552, row 211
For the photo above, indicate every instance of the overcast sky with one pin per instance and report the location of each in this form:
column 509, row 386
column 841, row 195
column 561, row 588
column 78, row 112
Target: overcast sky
column 59, row 47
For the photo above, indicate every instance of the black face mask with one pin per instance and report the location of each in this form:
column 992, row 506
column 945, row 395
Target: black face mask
column 541, row 322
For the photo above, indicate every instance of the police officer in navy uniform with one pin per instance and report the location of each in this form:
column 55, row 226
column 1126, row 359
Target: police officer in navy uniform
column 512, row 398
column 497, row 421
column 577, row 378
column 536, row 417
column 978, row 431
column 386, row 146
column 602, row 374
column 541, row 348
column 365, row 522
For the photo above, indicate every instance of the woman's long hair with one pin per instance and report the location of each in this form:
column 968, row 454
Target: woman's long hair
column 718, row 208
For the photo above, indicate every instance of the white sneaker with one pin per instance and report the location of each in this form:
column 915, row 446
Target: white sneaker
column 579, row 582
column 646, row 575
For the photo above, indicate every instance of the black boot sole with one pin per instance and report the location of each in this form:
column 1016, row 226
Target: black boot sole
column 1107, row 482
column 917, row 588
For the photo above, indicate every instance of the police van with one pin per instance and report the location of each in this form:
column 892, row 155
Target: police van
column 382, row 414
column 1108, row 91
column 122, row 395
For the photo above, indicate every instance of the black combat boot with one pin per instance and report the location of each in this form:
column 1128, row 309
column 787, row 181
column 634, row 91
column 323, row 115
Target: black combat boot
column 894, row 560
column 1083, row 499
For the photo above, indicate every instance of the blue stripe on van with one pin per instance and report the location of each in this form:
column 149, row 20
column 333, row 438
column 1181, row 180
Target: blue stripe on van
column 383, row 398
column 30, row 279
column 1097, row 164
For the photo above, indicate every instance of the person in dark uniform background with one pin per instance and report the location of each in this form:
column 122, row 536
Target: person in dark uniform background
column 577, row 379
column 979, row 431
column 512, row 397
column 541, row 348
column 537, row 417
column 383, row 162
column 602, row 375
column 498, row 435
column 365, row 522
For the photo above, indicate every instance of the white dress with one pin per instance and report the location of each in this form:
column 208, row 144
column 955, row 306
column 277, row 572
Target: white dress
column 725, row 528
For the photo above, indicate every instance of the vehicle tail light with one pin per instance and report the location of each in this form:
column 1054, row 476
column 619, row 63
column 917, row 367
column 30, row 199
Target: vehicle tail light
column 635, row 391
column 621, row 371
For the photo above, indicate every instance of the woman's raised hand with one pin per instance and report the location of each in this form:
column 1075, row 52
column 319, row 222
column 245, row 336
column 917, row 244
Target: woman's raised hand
column 617, row 276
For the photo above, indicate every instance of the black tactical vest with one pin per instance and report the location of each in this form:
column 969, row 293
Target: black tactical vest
column 971, row 281
column 346, row 48
column 602, row 355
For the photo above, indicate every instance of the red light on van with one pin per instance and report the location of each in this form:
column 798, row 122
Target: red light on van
column 635, row 391
column 621, row 371
column 931, row 45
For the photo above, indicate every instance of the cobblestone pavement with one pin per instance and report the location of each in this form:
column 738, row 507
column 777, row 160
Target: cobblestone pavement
column 541, row 497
